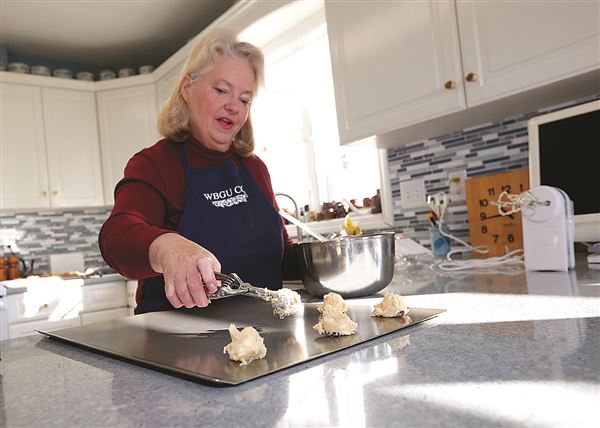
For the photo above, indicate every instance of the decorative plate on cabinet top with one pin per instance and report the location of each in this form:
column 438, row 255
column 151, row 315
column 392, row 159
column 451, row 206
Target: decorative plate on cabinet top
column 126, row 72
column 146, row 69
column 63, row 73
column 107, row 75
column 40, row 70
column 18, row 67
column 85, row 75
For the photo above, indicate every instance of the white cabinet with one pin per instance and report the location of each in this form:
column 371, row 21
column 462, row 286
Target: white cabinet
column 45, row 301
column 62, row 304
column 514, row 46
column 399, row 63
column 103, row 296
column 390, row 62
column 45, row 305
column 29, row 328
column 24, row 181
column 50, row 149
column 165, row 84
column 73, row 150
column 127, row 119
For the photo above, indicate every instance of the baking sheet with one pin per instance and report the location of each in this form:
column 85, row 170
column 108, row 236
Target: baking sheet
column 190, row 343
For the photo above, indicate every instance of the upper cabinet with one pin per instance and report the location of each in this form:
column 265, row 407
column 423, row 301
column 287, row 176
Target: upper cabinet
column 73, row 151
column 166, row 83
column 510, row 47
column 396, row 64
column 50, row 151
column 127, row 119
column 23, row 148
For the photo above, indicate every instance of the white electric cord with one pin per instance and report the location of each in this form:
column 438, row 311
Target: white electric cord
column 513, row 258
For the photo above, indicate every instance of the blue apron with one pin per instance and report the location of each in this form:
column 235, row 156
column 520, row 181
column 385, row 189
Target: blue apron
column 226, row 213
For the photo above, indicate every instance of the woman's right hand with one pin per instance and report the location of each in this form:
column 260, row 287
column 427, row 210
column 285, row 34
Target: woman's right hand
column 188, row 270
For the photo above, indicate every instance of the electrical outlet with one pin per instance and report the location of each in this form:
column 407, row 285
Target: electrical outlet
column 456, row 185
column 412, row 193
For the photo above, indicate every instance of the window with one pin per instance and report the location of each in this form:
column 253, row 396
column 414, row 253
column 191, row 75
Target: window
column 294, row 116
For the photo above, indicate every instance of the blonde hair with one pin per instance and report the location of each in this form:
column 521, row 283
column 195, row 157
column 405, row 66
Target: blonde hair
column 174, row 120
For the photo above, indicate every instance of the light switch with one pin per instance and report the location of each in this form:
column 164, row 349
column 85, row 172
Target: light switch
column 456, row 185
column 412, row 193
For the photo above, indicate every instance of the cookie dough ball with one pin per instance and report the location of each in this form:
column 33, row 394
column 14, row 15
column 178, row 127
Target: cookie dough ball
column 335, row 323
column 285, row 302
column 245, row 346
column 392, row 305
column 332, row 302
column 333, row 320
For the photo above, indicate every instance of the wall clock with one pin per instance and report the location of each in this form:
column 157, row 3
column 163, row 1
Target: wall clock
column 499, row 233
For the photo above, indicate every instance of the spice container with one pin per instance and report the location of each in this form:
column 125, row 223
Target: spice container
column 3, row 273
column 13, row 267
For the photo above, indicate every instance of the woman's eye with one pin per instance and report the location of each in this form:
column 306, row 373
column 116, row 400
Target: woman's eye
column 246, row 101
column 220, row 91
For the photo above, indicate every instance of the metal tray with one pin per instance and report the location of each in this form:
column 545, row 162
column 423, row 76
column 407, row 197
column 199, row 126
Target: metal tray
column 190, row 343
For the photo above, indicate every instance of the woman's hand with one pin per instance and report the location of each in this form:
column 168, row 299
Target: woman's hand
column 188, row 269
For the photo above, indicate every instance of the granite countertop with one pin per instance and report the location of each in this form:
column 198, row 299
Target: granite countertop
column 511, row 350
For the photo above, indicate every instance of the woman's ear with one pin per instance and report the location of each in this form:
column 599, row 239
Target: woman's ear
column 184, row 87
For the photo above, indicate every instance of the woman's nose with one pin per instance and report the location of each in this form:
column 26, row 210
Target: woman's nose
column 232, row 106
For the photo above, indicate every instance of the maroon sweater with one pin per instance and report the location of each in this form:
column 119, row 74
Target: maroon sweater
column 150, row 199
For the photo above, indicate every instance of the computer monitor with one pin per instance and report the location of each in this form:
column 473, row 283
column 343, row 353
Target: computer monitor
column 564, row 152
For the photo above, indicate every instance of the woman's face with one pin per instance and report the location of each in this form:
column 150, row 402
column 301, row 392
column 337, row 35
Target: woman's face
column 219, row 102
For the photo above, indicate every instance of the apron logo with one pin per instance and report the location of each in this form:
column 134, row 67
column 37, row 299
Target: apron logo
column 228, row 198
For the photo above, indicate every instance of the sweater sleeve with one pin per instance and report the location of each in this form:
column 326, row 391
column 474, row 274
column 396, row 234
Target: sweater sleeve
column 135, row 221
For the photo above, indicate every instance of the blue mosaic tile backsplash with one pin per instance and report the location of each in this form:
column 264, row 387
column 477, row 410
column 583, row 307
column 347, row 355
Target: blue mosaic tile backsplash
column 481, row 150
column 34, row 235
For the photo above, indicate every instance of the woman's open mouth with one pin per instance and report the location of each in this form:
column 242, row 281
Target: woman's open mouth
column 225, row 123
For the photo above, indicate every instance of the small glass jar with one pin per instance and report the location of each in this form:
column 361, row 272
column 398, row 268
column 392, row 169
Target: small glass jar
column 440, row 244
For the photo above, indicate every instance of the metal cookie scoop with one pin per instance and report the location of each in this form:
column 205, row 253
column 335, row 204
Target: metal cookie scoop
column 284, row 301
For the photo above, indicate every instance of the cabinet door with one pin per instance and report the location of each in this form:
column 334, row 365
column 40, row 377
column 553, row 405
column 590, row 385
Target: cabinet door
column 108, row 295
column 516, row 46
column 165, row 85
column 44, row 301
column 127, row 124
column 73, row 149
column 390, row 62
column 24, row 181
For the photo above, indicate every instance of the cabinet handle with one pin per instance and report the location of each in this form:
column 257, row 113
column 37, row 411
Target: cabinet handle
column 54, row 192
column 44, row 306
column 450, row 84
column 471, row 77
column 44, row 193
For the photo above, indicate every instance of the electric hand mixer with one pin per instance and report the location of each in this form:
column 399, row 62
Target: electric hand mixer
column 548, row 227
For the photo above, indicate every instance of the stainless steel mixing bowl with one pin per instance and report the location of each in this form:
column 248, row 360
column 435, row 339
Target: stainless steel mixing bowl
column 351, row 266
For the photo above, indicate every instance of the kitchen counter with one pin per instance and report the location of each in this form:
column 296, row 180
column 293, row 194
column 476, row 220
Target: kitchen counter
column 20, row 285
column 511, row 350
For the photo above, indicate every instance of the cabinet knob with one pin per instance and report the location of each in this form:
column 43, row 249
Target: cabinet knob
column 471, row 77
column 450, row 84
column 54, row 192
column 44, row 193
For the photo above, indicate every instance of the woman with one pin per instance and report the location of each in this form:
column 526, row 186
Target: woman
column 199, row 201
